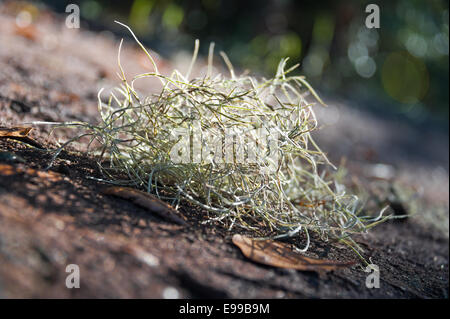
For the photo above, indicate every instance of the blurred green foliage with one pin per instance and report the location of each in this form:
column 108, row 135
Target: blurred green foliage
column 402, row 65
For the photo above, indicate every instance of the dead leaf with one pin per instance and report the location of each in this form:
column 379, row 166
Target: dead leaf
column 277, row 254
column 19, row 134
column 15, row 131
column 148, row 201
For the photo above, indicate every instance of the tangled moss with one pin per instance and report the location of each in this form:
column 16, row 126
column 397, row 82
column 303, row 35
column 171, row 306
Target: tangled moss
column 281, row 186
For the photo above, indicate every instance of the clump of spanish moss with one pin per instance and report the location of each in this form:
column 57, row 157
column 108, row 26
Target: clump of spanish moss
column 237, row 146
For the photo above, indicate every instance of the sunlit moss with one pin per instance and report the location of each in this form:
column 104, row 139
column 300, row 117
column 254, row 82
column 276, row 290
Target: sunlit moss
column 297, row 196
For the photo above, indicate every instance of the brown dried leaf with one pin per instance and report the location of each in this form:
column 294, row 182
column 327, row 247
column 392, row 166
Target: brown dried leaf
column 19, row 134
column 277, row 254
column 15, row 131
column 148, row 201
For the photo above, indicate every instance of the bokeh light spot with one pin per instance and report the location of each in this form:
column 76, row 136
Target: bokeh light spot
column 90, row 9
column 365, row 66
column 357, row 50
column 404, row 77
column 416, row 45
column 24, row 19
column 440, row 42
column 291, row 45
column 139, row 15
column 173, row 16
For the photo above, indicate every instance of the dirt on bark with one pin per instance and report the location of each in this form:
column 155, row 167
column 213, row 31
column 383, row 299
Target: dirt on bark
column 52, row 218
